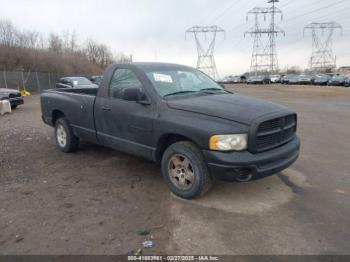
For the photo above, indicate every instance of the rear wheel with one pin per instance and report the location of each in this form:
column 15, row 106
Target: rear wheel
column 184, row 170
column 14, row 107
column 65, row 138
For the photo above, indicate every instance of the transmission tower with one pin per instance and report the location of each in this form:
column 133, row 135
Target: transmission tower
column 264, row 57
column 322, row 58
column 206, row 62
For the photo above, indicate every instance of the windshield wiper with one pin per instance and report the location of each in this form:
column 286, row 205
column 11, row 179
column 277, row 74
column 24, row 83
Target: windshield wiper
column 180, row 93
column 211, row 90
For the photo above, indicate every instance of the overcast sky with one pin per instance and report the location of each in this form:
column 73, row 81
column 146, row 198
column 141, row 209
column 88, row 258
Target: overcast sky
column 153, row 30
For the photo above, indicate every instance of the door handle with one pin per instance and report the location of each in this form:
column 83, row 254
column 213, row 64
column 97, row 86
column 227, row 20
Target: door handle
column 106, row 109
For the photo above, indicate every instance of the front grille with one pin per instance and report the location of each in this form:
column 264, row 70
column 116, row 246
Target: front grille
column 275, row 132
column 14, row 95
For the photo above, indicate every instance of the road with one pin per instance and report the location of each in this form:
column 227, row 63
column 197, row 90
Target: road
column 97, row 200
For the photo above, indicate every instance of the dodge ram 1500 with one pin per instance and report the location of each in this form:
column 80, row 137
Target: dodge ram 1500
column 180, row 118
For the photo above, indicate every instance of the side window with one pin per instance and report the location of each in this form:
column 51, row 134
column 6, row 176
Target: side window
column 122, row 79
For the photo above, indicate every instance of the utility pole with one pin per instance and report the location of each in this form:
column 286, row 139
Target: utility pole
column 322, row 58
column 264, row 56
column 206, row 61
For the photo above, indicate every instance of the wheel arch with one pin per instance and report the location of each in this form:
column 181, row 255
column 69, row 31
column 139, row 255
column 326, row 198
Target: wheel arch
column 56, row 114
column 167, row 140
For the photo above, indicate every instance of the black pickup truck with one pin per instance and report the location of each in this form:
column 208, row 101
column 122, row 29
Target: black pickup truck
column 179, row 117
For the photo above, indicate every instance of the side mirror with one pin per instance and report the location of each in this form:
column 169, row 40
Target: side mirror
column 135, row 94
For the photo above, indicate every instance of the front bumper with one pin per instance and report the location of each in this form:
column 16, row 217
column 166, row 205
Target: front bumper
column 323, row 83
column 336, row 83
column 16, row 101
column 304, row 82
column 230, row 166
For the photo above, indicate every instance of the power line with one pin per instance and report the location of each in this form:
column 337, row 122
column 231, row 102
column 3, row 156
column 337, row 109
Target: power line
column 208, row 15
column 288, row 3
column 316, row 10
column 225, row 11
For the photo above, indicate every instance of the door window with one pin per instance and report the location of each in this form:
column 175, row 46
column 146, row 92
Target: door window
column 121, row 80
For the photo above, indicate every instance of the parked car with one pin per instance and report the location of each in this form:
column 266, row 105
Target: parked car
column 235, row 80
column 337, row 80
column 231, row 80
column 75, row 82
column 347, row 81
column 287, row 78
column 321, row 80
column 303, row 80
column 96, row 80
column 262, row 79
column 179, row 117
column 275, row 78
column 223, row 80
column 13, row 95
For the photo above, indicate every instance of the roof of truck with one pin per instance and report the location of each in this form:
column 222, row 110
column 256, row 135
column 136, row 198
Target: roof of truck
column 155, row 65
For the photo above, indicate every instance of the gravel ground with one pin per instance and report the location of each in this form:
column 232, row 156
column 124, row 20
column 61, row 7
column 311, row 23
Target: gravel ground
column 96, row 200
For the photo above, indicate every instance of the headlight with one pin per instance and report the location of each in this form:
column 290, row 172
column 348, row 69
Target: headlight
column 237, row 142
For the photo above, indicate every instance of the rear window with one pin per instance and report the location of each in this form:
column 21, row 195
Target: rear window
column 81, row 81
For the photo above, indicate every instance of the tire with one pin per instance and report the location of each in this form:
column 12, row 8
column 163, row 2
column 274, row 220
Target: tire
column 14, row 107
column 190, row 180
column 66, row 141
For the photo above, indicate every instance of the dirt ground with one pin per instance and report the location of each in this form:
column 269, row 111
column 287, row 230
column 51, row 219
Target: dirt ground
column 96, row 201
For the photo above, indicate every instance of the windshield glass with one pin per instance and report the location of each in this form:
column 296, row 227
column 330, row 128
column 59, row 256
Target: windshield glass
column 257, row 77
column 322, row 77
column 337, row 78
column 168, row 82
column 81, row 81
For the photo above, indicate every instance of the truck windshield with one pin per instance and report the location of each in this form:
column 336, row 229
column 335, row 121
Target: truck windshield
column 173, row 82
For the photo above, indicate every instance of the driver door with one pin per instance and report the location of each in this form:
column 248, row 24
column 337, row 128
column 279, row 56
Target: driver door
column 125, row 125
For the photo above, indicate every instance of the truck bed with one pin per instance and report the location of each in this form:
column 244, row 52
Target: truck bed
column 79, row 102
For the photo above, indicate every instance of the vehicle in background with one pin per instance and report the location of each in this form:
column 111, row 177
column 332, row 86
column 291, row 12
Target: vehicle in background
column 287, row 78
column 262, row 79
column 75, row 82
column 13, row 95
column 235, row 80
column 224, row 80
column 337, row 80
column 347, row 81
column 232, row 80
column 303, row 80
column 321, row 80
column 96, row 80
column 275, row 79
column 180, row 118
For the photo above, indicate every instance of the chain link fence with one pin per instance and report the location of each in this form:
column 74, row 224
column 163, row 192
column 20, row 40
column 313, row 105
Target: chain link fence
column 34, row 82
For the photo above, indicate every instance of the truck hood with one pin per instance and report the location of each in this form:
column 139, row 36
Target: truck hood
column 233, row 107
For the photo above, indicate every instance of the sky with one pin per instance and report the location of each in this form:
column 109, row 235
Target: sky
column 154, row 30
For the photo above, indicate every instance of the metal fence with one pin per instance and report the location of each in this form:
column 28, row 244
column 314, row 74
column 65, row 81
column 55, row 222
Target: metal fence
column 34, row 82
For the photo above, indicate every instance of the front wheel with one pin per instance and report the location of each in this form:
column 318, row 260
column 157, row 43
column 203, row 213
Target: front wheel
column 65, row 139
column 184, row 170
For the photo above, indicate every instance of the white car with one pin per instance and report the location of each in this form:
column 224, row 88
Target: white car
column 275, row 78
